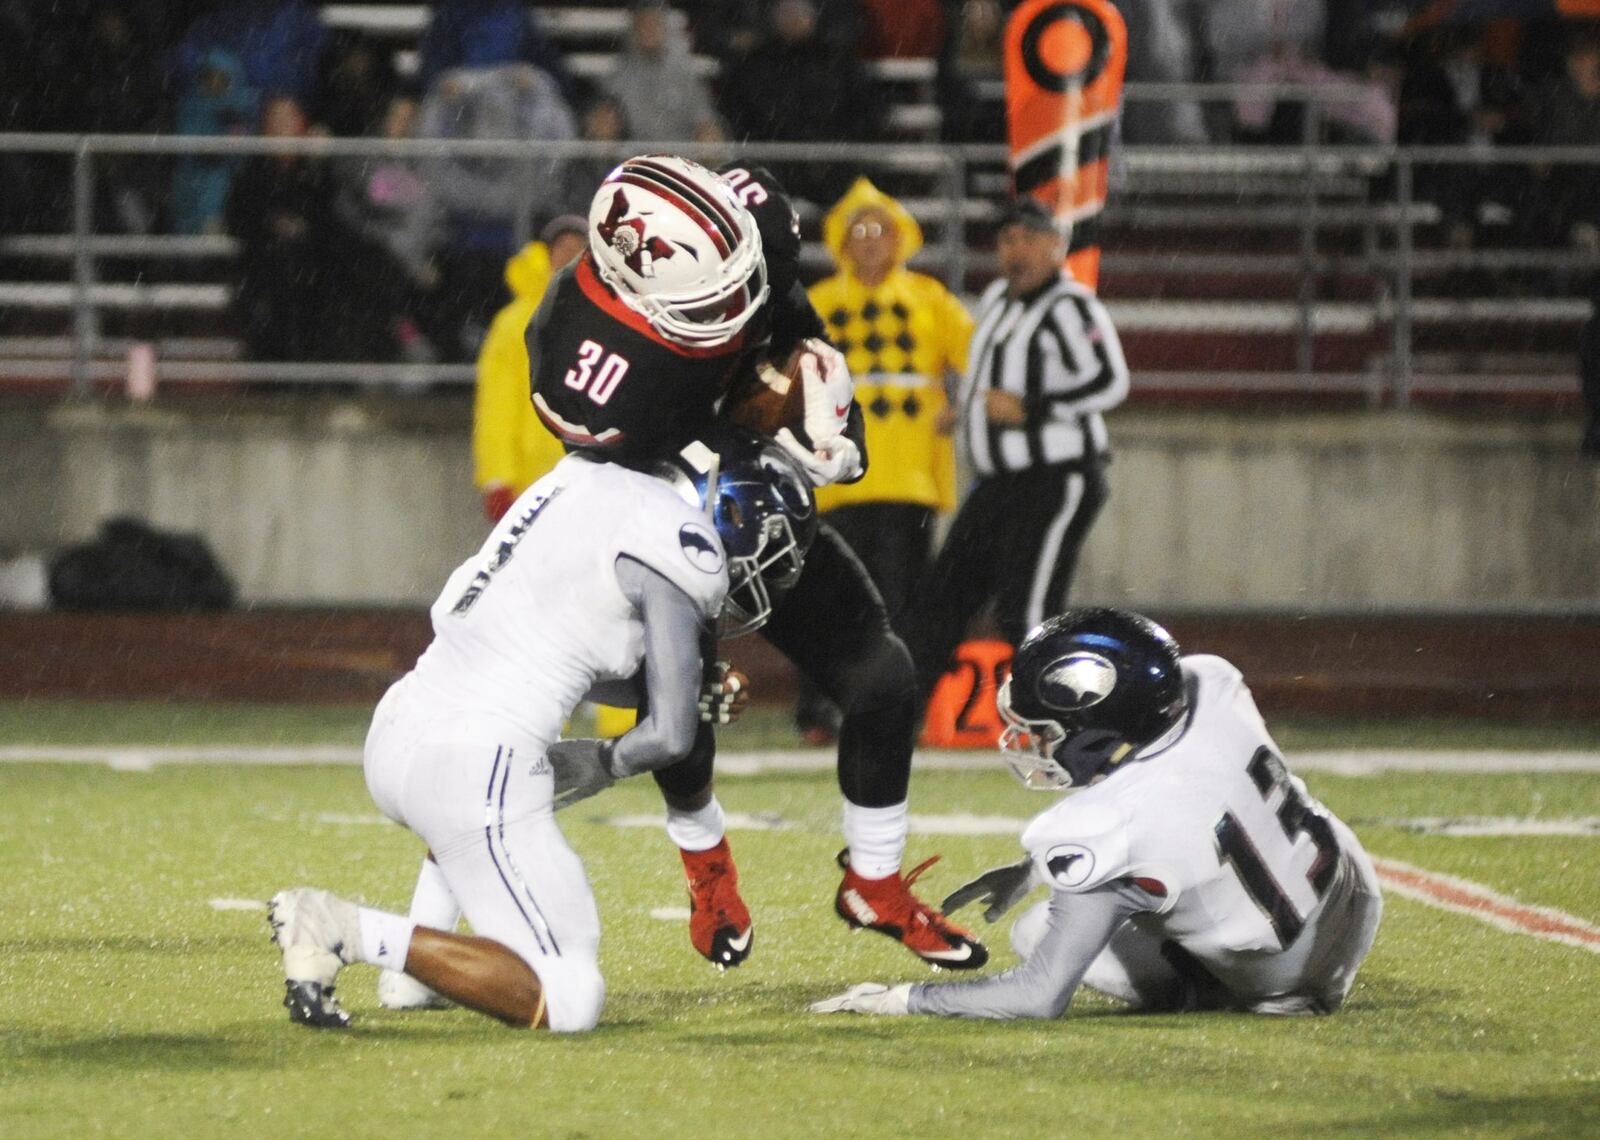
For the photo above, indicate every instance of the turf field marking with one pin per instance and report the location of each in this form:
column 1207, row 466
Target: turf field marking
column 1476, row 900
column 238, row 904
column 1492, row 825
column 736, row 821
column 738, row 763
column 670, row 913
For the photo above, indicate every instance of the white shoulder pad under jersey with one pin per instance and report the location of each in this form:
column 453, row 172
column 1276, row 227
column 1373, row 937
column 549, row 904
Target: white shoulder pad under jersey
column 678, row 542
column 1153, row 818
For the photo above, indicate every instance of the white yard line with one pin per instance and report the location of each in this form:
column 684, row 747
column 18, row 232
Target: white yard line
column 1477, row 901
column 1342, row 763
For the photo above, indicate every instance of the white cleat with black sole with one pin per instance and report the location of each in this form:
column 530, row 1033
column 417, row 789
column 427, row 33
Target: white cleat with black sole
column 317, row 932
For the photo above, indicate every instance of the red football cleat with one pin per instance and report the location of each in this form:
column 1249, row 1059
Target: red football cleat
column 889, row 907
column 719, row 922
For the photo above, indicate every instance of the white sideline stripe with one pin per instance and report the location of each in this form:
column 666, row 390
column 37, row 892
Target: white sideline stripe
column 1340, row 763
column 1477, row 901
column 735, row 821
column 959, row 824
column 238, row 904
column 1480, row 825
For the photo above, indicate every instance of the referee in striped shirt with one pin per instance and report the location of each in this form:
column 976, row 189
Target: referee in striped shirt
column 1043, row 366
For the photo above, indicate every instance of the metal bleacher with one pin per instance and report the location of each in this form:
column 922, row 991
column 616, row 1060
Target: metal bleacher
column 1231, row 272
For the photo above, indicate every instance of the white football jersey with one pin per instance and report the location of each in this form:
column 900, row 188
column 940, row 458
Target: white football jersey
column 528, row 624
column 1243, row 853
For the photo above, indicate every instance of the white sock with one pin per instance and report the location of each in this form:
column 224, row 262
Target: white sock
column 876, row 838
column 385, row 938
column 697, row 830
column 432, row 904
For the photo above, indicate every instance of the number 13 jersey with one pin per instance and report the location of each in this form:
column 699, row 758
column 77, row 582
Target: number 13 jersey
column 1242, row 857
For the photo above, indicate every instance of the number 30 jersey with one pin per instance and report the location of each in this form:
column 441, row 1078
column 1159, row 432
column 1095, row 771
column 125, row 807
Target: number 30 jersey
column 1241, row 856
column 527, row 625
column 603, row 380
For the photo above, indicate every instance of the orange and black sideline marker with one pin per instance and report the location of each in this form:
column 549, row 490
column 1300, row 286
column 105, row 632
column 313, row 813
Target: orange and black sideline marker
column 1064, row 65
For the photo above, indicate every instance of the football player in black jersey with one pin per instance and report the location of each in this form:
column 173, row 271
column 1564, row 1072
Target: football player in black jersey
column 691, row 280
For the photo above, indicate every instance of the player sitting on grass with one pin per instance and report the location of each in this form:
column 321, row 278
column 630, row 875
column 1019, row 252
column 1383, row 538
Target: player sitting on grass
column 1192, row 871
column 595, row 569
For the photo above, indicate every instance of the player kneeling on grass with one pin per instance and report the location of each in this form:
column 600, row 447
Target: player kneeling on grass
column 594, row 570
column 1192, row 871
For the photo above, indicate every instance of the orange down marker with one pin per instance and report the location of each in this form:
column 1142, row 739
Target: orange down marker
column 1064, row 64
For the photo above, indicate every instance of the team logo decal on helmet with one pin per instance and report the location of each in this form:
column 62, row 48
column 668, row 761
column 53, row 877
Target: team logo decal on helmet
column 673, row 242
column 1078, row 681
column 700, row 548
column 639, row 251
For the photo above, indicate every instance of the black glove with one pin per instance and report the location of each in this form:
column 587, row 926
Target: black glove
column 1000, row 887
column 582, row 768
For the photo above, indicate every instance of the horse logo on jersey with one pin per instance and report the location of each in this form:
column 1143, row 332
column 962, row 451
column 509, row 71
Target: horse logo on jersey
column 628, row 238
column 1077, row 681
column 700, row 548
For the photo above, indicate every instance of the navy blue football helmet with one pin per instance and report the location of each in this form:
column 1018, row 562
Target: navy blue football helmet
column 1088, row 689
column 761, row 503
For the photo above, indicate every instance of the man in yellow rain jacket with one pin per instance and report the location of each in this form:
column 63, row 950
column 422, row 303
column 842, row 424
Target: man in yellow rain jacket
column 510, row 447
column 904, row 335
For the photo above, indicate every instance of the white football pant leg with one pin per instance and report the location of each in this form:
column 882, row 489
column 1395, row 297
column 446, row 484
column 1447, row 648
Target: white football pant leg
column 480, row 796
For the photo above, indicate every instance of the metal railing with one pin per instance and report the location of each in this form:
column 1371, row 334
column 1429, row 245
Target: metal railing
column 1305, row 192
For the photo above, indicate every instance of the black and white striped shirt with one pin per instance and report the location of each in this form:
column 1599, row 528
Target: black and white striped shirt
column 1057, row 350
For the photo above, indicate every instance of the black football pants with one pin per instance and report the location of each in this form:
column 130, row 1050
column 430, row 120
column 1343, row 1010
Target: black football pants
column 1015, row 541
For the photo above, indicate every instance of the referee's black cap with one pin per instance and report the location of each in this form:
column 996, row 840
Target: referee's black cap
column 1029, row 213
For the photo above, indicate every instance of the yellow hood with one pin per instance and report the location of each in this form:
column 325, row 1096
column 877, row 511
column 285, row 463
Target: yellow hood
column 858, row 197
column 528, row 271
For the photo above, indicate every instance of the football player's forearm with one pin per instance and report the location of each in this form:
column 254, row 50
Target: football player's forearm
column 672, row 673
column 1042, row 986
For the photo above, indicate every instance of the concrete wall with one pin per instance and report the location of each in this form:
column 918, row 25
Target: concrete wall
column 370, row 501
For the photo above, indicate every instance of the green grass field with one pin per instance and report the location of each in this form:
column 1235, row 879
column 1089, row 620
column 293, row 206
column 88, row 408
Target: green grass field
column 133, row 1007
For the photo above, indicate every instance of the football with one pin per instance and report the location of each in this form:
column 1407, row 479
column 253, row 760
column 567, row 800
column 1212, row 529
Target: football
column 775, row 399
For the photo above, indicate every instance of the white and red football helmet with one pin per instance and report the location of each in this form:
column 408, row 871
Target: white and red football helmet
column 674, row 243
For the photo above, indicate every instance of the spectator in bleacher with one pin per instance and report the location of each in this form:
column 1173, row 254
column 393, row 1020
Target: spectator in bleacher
column 655, row 82
column 487, row 33
column 280, row 209
column 279, row 44
column 1159, row 51
column 477, row 206
column 381, row 255
column 602, row 120
column 903, row 29
column 800, row 85
column 905, row 338
column 356, row 86
column 1564, row 203
column 971, row 81
column 217, row 102
column 1451, row 95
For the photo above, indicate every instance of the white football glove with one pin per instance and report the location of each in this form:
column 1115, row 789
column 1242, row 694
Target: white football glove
column 838, row 458
column 867, row 997
column 829, row 390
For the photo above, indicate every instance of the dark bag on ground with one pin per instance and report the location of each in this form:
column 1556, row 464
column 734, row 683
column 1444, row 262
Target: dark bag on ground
column 133, row 566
